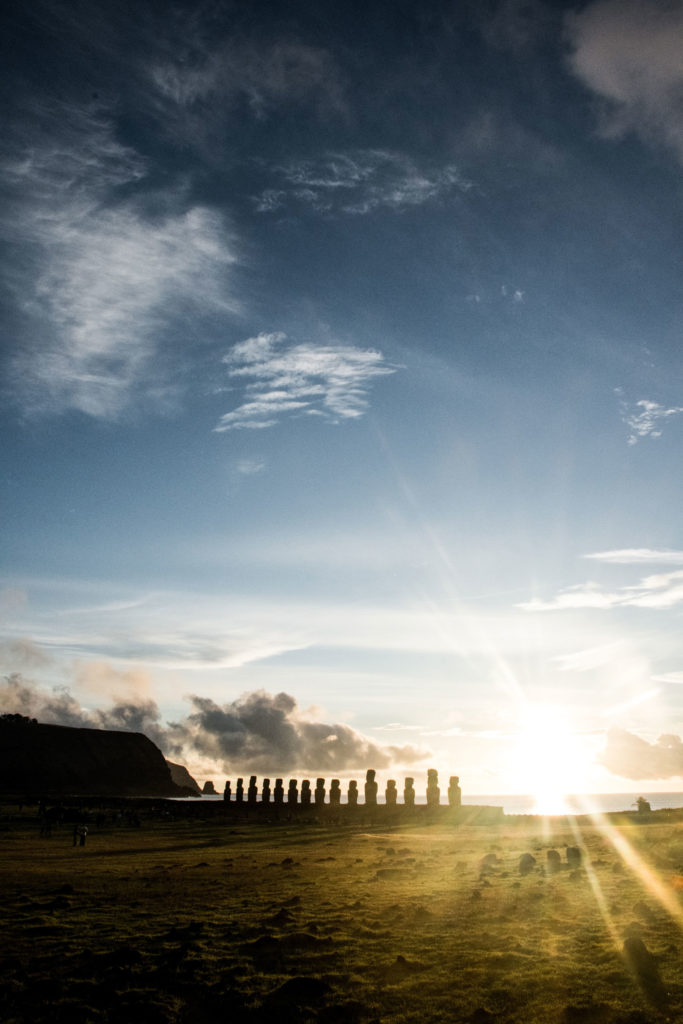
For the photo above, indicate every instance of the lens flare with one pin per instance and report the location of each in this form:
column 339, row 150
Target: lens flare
column 548, row 762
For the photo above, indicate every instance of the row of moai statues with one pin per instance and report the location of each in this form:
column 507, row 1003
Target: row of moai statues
column 307, row 796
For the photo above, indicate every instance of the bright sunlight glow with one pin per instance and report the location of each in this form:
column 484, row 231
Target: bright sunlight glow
column 548, row 762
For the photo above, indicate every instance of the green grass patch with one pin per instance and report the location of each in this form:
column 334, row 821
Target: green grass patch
column 198, row 921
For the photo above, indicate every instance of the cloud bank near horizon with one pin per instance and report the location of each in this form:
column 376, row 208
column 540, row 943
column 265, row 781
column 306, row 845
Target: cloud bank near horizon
column 631, row 757
column 259, row 731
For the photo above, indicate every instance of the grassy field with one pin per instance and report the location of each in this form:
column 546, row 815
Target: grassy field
column 204, row 921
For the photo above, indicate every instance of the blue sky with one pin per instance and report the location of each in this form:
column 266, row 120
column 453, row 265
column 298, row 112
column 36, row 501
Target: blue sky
column 342, row 384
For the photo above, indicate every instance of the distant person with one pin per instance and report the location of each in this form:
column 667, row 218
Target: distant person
column 82, row 834
column 75, row 836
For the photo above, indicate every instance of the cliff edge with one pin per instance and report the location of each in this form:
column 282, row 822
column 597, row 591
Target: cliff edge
column 57, row 760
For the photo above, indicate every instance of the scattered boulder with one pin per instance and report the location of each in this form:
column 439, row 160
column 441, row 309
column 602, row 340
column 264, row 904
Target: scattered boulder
column 527, row 863
column 553, row 861
column 573, row 854
column 401, row 968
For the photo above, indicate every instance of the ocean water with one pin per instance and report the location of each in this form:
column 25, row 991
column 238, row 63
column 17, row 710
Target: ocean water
column 586, row 803
column 590, row 803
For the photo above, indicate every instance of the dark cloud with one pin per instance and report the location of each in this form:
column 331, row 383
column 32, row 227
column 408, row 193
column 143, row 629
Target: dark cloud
column 257, row 732
column 630, row 756
column 58, row 706
column 268, row 732
column 133, row 716
column 20, row 696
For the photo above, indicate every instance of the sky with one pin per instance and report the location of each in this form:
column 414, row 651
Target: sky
column 342, row 407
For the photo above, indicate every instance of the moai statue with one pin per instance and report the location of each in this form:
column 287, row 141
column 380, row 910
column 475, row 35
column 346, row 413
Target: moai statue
column 390, row 793
column 227, row 795
column 352, row 795
column 305, row 793
column 335, row 793
column 454, row 792
column 252, row 792
column 319, row 794
column 293, row 792
column 239, row 791
column 278, row 792
column 370, row 788
column 409, row 793
column 433, row 791
column 265, row 792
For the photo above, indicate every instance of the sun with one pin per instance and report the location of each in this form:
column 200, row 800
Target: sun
column 548, row 761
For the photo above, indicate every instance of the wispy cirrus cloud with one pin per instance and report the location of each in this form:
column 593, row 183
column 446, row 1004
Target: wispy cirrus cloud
column 249, row 467
column 659, row 591
column 673, row 678
column 105, row 273
column 635, row 556
column 283, row 379
column 646, row 418
column 207, row 80
column 590, row 658
column 360, row 182
column 628, row 52
column 266, row 72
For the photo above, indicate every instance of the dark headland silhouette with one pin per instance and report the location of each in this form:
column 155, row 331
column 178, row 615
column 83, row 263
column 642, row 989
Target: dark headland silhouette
column 57, row 760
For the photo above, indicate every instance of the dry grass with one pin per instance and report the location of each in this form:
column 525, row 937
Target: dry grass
column 201, row 921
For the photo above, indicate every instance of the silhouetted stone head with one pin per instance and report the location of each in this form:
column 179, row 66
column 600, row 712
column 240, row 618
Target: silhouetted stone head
column 433, row 791
column 454, row 792
column 352, row 794
column 370, row 788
